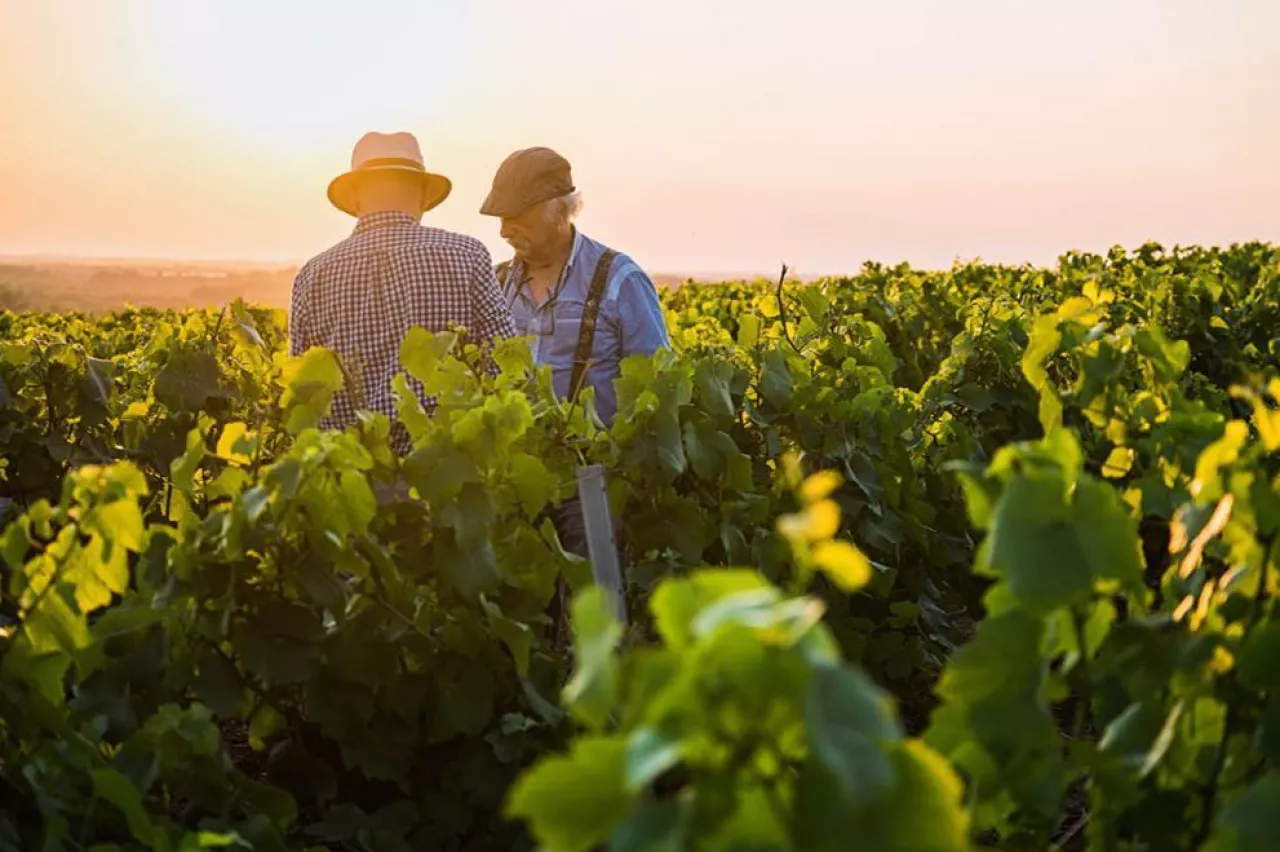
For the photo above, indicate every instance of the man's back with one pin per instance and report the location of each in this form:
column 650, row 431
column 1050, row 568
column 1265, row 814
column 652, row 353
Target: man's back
column 360, row 298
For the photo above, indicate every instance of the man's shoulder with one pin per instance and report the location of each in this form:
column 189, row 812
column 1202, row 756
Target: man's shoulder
column 624, row 270
column 342, row 249
column 431, row 235
column 591, row 251
column 415, row 236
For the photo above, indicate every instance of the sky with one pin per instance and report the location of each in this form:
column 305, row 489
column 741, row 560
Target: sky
column 704, row 135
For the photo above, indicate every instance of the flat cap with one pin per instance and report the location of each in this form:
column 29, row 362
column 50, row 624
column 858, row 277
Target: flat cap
column 525, row 178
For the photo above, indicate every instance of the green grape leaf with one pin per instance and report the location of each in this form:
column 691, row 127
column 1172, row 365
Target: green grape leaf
column 278, row 659
column 846, row 565
column 271, row 802
column 421, row 352
column 669, row 441
column 1119, row 462
column 120, row 522
column 217, row 684
column 753, row 822
column 922, row 811
column 517, row 637
column 775, row 379
column 576, row 801
column 1258, row 656
column 925, row 812
column 236, row 444
column 310, row 380
column 650, row 752
column 712, row 379
column 114, row 787
column 1251, row 821
column 677, row 602
column 534, row 482
column 439, row 473
column 265, row 724
column 590, row 692
column 849, row 719
column 470, row 704
column 54, row 623
column 1051, row 552
column 1034, row 547
column 358, row 499
column 653, row 827
column 188, row 380
column 1141, row 735
column 1222, row 452
column 182, row 469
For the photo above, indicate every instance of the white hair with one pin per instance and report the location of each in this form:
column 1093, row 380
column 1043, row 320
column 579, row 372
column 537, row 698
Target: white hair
column 569, row 206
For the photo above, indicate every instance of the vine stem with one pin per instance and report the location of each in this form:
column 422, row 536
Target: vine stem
column 88, row 821
column 776, row 804
column 1073, row 831
column 782, row 309
column 217, row 327
column 1209, row 809
column 1085, row 697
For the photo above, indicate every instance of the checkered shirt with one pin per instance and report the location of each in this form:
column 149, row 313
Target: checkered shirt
column 360, row 298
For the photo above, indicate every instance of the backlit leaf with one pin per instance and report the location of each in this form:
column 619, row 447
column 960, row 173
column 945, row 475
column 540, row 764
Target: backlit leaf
column 591, row 691
column 846, row 565
column 574, row 802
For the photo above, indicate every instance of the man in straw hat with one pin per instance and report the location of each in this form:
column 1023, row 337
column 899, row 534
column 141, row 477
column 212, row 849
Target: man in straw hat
column 360, row 298
column 586, row 305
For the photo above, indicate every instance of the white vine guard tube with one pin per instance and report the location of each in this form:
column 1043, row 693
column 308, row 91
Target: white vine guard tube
column 601, row 544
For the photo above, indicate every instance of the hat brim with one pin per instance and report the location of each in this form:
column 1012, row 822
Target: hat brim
column 493, row 207
column 342, row 189
column 502, row 208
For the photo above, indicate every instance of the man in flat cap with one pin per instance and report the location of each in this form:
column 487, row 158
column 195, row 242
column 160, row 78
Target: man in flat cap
column 586, row 305
column 360, row 298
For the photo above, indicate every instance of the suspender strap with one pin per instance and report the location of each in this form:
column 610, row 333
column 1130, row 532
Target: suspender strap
column 587, row 332
column 501, row 271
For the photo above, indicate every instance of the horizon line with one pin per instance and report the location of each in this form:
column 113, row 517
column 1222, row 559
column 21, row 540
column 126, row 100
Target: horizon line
column 280, row 263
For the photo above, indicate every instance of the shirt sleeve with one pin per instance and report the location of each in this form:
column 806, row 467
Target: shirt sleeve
column 299, row 330
column 490, row 315
column 642, row 325
column 489, row 311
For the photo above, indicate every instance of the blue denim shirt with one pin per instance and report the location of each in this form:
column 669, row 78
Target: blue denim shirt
column 630, row 320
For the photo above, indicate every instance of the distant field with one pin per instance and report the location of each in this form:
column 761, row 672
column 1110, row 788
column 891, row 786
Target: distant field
column 103, row 287
column 100, row 286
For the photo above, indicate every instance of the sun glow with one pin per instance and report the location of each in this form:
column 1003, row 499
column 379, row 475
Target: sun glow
column 306, row 77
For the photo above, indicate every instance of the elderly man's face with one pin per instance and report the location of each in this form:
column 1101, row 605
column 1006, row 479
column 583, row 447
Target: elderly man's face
column 536, row 233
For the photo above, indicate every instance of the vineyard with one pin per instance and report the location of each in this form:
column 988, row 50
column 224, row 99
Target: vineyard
column 917, row 561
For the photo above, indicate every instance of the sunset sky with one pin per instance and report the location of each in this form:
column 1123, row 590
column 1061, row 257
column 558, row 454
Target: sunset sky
column 705, row 135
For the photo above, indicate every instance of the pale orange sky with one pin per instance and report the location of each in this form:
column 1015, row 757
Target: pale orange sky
column 705, row 134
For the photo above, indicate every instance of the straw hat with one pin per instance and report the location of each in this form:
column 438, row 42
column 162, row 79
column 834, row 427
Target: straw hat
column 383, row 152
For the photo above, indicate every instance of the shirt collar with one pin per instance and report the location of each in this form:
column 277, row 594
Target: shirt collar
column 383, row 219
column 517, row 267
column 573, row 252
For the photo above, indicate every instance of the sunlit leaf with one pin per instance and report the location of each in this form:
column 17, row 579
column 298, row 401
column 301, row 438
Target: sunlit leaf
column 574, row 802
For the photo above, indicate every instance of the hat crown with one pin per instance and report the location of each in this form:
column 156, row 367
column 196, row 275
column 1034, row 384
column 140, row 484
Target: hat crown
column 526, row 177
column 533, row 164
column 386, row 146
column 387, row 153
